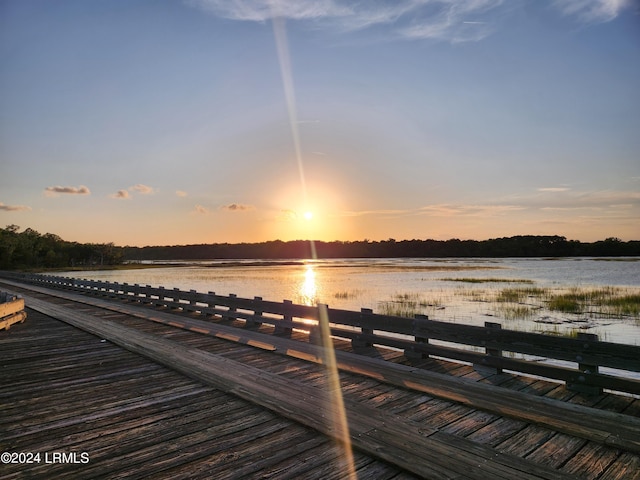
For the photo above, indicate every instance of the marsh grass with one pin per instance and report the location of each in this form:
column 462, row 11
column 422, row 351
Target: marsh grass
column 398, row 309
column 626, row 304
column 526, row 302
column 475, row 295
column 564, row 303
column 407, row 305
column 347, row 294
column 518, row 295
column 605, row 300
column 515, row 312
column 486, row 280
column 610, row 301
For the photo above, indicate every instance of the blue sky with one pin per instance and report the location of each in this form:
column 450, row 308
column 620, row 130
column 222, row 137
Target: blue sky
column 174, row 122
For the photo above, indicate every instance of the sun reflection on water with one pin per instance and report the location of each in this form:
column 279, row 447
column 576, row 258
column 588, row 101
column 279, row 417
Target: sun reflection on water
column 308, row 291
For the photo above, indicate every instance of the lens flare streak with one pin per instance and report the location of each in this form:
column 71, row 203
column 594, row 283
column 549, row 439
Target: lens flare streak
column 336, row 406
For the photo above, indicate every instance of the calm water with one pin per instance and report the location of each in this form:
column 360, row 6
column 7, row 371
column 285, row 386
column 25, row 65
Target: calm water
column 427, row 286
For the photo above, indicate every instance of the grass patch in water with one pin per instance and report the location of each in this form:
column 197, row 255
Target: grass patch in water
column 564, row 303
column 347, row 294
column 407, row 305
column 626, row 304
column 487, row 280
column 514, row 312
column 605, row 300
column 518, row 295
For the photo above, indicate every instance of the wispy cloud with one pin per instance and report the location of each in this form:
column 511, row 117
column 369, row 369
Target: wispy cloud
column 55, row 191
column 263, row 10
column 458, row 21
column 237, row 207
column 13, row 208
column 287, row 215
column 440, row 210
column 362, row 213
column 592, row 11
column 124, row 194
column 120, row 194
column 559, row 198
column 457, row 210
column 143, row 189
column 453, row 21
column 553, row 189
column 181, row 193
column 200, row 210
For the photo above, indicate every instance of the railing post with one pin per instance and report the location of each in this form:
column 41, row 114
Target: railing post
column 110, row 289
column 147, row 295
column 210, row 305
column 161, row 297
column 285, row 331
column 582, row 384
column 359, row 342
column 490, row 352
column 413, row 353
column 252, row 323
column 192, row 301
column 231, row 309
column 176, row 299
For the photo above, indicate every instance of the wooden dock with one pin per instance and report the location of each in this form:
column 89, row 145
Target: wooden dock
column 125, row 390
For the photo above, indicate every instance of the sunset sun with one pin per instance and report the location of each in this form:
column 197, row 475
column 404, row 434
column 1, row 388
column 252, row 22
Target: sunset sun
column 308, row 215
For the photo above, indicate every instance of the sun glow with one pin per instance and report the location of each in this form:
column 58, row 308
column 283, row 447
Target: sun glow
column 308, row 215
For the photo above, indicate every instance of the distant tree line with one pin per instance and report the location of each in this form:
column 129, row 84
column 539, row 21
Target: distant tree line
column 31, row 250
column 519, row 246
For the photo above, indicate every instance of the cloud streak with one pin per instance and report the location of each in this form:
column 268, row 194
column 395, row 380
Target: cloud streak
column 444, row 20
column 553, row 189
column 592, row 11
column 121, row 194
column 55, row 191
column 457, row 21
column 13, row 208
column 237, row 207
column 143, row 189
column 124, row 194
column 200, row 210
column 548, row 199
column 451, row 210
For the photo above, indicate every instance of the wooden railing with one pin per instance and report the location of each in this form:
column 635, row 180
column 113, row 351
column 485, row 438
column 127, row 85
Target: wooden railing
column 490, row 346
column 11, row 310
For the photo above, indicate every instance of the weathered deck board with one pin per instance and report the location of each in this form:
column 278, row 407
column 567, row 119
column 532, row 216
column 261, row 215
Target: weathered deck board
column 626, row 467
